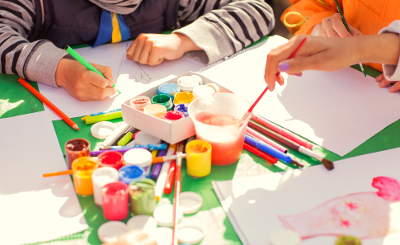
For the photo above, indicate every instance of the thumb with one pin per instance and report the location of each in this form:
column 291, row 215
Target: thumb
column 355, row 31
column 298, row 64
column 107, row 72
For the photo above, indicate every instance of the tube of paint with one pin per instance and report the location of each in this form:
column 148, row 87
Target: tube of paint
column 198, row 158
column 76, row 148
column 115, row 200
column 142, row 197
column 83, row 168
column 100, row 178
column 110, row 159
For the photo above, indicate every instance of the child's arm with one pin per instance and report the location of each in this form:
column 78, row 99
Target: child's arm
column 314, row 9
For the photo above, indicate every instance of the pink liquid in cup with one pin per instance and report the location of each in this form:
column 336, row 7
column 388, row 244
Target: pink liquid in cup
column 225, row 150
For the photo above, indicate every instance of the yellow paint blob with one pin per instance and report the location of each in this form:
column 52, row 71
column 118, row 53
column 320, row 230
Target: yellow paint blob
column 83, row 168
column 183, row 98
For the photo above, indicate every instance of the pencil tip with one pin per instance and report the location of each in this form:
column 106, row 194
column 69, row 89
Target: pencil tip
column 75, row 127
column 328, row 164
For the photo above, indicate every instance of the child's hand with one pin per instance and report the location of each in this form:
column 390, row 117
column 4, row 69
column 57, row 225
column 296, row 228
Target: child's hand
column 83, row 84
column 383, row 83
column 333, row 27
column 152, row 49
column 135, row 237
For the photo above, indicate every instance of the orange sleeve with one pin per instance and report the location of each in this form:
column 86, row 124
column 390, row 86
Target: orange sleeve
column 309, row 8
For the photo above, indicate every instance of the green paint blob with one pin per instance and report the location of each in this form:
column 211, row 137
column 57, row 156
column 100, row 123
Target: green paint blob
column 347, row 240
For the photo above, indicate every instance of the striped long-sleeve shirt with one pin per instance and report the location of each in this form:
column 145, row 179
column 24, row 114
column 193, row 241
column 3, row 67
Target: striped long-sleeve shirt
column 219, row 27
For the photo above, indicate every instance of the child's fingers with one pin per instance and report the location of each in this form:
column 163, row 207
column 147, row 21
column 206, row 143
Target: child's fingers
column 395, row 87
column 107, row 72
column 132, row 47
column 135, row 53
column 380, row 77
column 384, row 83
column 327, row 24
column 144, row 55
column 296, row 65
column 338, row 26
column 156, row 57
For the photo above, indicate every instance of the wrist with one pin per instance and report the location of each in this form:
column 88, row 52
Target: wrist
column 61, row 68
column 382, row 48
column 186, row 43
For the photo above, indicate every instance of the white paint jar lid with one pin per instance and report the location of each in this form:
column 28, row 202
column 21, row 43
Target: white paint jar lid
column 102, row 130
column 138, row 157
column 284, row 237
column 191, row 232
column 190, row 202
column 110, row 231
column 145, row 223
column 164, row 215
column 143, row 138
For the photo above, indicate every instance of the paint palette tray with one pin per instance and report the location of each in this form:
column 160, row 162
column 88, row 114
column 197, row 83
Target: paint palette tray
column 171, row 132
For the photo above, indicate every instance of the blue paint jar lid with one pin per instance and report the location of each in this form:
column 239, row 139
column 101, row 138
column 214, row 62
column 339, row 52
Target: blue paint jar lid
column 129, row 174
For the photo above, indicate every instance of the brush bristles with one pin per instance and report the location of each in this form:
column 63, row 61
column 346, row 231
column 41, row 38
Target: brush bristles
column 328, row 164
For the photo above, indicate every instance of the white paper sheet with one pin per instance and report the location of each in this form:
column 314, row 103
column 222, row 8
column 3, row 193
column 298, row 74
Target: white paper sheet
column 34, row 208
column 337, row 110
column 253, row 204
column 125, row 72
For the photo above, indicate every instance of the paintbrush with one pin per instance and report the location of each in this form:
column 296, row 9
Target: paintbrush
column 179, row 150
column 327, row 163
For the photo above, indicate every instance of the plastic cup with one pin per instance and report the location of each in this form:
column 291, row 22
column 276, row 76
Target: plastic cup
column 226, row 140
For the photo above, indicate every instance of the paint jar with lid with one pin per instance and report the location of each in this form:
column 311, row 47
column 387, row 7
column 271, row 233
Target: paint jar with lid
column 142, row 197
column 155, row 110
column 110, row 159
column 182, row 108
column 169, row 89
column 183, row 98
column 187, row 83
column 202, row 90
column 100, row 178
column 164, row 100
column 139, row 157
column 115, row 200
column 76, row 148
column 82, row 170
column 129, row 174
column 140, row 102
column 198, row 158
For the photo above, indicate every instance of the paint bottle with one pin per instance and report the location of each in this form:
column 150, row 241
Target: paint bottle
column 142, row 197
column 115, row 200
column 140, row 102
column 83, row 168
column 163, row 99
column 183, row 98
column 198, row 158
column 155, row 110
column 174, row 115
column 202, row 90
column 169, row 89
column 129, row 174
column 187, row 83
column 110, row 159
column 76, row 148
column 182, row 108
column 139, row 157
column 100, row 178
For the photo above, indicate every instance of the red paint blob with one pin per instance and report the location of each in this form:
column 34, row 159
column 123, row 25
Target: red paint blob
column 110, row 159
column 173, row 115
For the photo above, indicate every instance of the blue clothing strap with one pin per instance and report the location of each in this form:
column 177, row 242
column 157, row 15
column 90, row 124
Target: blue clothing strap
column 106, row 29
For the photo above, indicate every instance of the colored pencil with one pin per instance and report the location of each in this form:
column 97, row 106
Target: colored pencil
column 48, row 103
column 259, row 153
column 86, row 64
column 285, row 133
column 163, row 174
column 177, row 193
column 166, row 158
column 327, row 163
column 267, row 149
column 266, row 140
column 348, row 29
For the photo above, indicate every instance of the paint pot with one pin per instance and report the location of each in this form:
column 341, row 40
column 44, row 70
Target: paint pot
column 83, row 168
column 110, row 231
column 214, row 86
column 129, row 174
column 162, row 99
column 284, row 237
column 110, row 159
column 183, row 98
column 198, row 158
column 142, row 196
column 347, row 240
column 140, row 102
column 155, row 110
column 169, row 89
column 190, row 232
column 139, row 157
column 143, row 138
column 216, row 120
column 182, row 108
column 201, row 82
column 76, row 148
column 187, row 83
column 115, row 200
column 145, row 223
column 100, row 178
column 174, row 115
column 202, row 90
